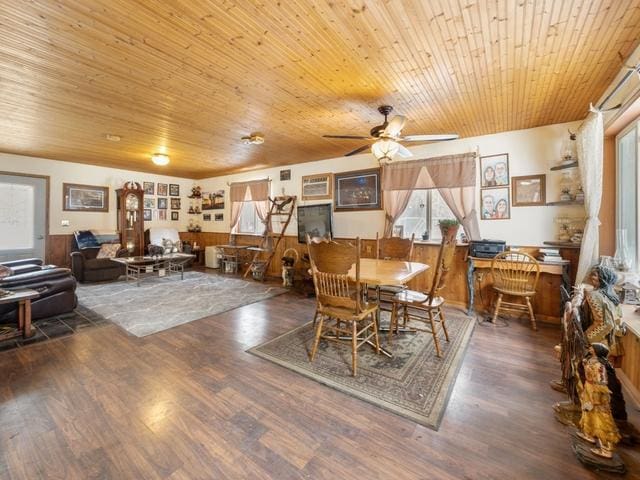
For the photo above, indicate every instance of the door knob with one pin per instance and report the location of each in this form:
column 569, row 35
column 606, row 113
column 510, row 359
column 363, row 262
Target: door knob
column 40, row 237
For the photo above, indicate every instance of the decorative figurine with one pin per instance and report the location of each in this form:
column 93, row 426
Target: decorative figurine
column 596, row 423
column 601, row 313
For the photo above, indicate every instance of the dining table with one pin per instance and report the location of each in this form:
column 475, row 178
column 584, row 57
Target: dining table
column 376, row 272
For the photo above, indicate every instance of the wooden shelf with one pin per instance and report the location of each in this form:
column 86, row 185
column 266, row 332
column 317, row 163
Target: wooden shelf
column 562, row 244
column 564, row 202
column 566, row 165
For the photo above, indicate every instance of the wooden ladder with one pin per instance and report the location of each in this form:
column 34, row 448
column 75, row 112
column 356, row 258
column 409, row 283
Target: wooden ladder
column 281, row 206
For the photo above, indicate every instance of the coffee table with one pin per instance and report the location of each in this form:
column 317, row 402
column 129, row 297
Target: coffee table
column 138, row 268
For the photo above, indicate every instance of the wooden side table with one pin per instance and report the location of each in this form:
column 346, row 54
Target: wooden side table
column 23, row 297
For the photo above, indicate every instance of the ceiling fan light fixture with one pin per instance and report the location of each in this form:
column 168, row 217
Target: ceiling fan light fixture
column 160, row 159
column 384, row 150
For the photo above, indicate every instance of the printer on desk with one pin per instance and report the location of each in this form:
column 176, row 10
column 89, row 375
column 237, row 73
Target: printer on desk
column 486, row 248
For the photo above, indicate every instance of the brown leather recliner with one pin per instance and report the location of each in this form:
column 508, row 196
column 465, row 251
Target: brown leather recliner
column 87, row 268
column 56, row 286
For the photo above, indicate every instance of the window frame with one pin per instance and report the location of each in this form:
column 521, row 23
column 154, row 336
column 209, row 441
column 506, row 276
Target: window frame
column 258, row 222
column 634, row 126
column 428, row 216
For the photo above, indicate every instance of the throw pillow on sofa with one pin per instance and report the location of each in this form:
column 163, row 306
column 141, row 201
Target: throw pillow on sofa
column 108, row 250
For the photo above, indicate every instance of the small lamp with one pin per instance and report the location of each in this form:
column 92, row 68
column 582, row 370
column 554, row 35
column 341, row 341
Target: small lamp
column 384, row 150
column 160, row 159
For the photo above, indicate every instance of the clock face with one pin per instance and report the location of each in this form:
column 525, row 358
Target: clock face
column 131, row 203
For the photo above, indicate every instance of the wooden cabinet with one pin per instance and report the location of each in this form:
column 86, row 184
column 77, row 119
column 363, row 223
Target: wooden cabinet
column 630, row 366
column 130, row 218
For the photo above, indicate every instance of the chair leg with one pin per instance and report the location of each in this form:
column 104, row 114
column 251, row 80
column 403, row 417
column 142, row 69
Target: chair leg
column 531, row 315
column 435, row 334
column 315, row 318
column 444, row 326
column 316, row 340
column 354, row 348
column 497, row 310
column 375, row 332
column 405, row 319
column 394, row 319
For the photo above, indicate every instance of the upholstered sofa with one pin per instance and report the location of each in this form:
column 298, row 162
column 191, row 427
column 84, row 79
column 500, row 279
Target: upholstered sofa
column 56, row 286
column 85, row 265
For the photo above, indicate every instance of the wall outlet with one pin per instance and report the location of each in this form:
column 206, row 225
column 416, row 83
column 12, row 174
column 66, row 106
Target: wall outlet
column 64, row 223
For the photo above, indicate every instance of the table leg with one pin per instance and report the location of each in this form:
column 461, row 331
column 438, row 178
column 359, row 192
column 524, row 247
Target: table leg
column 470, row 286
column 27, row 319
column 21, row 316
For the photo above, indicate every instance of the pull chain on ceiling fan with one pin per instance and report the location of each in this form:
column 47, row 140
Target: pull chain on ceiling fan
column 387, row 137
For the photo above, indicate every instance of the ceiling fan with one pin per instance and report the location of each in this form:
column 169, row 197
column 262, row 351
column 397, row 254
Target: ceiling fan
column 387, row 137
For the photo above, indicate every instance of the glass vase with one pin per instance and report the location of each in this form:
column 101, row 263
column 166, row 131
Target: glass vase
column 622, row 259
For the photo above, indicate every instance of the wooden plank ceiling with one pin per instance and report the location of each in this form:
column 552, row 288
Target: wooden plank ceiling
column 194, row 76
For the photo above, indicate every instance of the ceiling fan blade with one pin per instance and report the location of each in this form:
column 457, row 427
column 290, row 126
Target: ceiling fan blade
column 355, row 137
column 429, row 138
column 404, row 152
column 395, row 126
column 357, row 150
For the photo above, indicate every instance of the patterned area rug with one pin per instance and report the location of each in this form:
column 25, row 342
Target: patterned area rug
column 413, row 383
column 162, row 303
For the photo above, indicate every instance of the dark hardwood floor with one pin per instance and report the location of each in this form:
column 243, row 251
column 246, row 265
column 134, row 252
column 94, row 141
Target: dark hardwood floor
column 189, row 403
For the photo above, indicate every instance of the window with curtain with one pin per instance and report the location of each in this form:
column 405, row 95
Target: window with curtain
column 627, row 193
column 249, row 222
column 425, row 209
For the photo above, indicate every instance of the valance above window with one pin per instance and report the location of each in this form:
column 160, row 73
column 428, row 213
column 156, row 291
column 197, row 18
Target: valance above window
column 449, row 171
column 254, row 191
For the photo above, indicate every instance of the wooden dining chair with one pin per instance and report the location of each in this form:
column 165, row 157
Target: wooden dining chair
column 341, row 310
column 515, row 274
column 392, row 248
column 423, row 311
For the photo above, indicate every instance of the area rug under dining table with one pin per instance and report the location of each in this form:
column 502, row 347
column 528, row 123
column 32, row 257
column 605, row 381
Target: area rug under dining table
column 162, row 303
column 414, row 382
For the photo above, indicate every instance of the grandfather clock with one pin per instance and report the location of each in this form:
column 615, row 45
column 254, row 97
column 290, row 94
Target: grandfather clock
column 130, row 218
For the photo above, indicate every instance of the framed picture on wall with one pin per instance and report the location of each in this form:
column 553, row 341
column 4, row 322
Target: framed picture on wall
column 528, row 190
column 494, row 170
column 357, row 190
column 148, row 188
column 218, row 217
column 175, row 215
column 85, row 198
column 146, row 214
column 285, row 175
column 174, row 190
column 175, row 204
column 495, row 203
column 149, row 202
column 162, row 189
column 206, row 217
column 162, row 203
column 162, row 214
column 317, row 187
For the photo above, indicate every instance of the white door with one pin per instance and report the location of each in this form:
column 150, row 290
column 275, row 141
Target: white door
column 23, row 210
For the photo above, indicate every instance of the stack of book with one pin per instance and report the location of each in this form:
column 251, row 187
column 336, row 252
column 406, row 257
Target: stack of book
column 549, row 255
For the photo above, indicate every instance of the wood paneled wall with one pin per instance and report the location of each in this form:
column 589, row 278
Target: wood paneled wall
column 59, row 249
column 546, row 303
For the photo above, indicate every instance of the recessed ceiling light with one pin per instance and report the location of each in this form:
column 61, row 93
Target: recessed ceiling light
column 113, row 138
column 160, row 159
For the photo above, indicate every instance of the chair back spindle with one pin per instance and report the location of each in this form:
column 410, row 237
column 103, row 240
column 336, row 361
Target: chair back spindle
column 445, row 260
column 516, row 272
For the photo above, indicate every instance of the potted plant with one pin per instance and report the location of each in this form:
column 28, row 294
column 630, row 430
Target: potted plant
column 449, row 228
